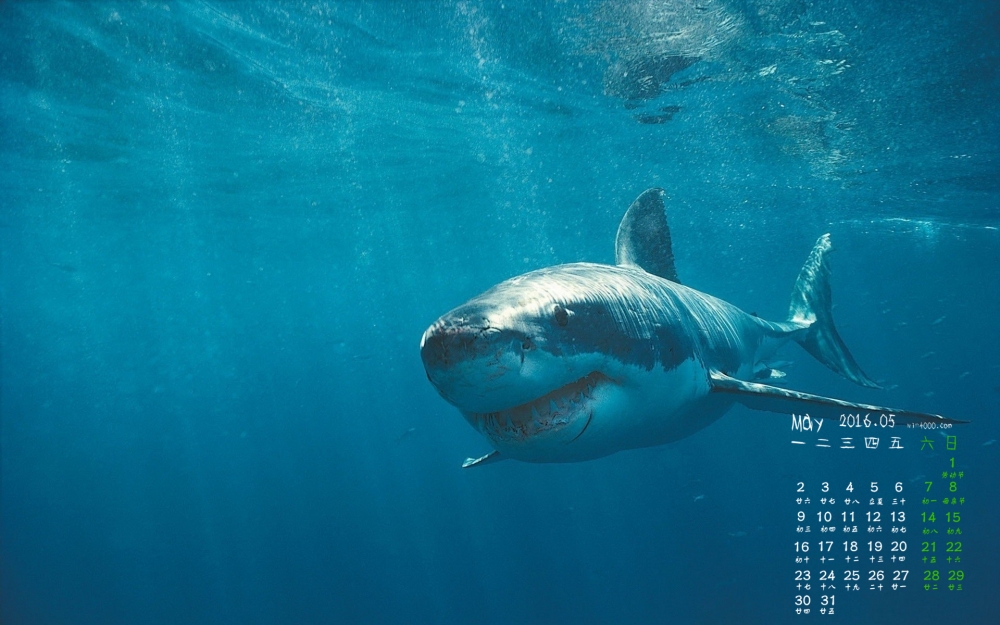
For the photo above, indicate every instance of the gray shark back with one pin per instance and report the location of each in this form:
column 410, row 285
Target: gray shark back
column 638, row 318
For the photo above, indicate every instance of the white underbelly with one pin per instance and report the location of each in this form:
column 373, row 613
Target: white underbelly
column 643, row 409
column 649, row 407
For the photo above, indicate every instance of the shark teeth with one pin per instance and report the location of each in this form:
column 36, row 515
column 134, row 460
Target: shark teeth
column 549, row 412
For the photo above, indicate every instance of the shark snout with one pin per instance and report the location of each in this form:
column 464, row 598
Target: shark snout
column 447, row 344
column 471, row 364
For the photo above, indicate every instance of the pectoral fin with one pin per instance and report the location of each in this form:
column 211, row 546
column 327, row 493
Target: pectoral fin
column 493, row 456
column 758, row 396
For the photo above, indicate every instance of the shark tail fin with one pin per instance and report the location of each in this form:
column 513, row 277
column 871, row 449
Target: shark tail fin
column 811, row 307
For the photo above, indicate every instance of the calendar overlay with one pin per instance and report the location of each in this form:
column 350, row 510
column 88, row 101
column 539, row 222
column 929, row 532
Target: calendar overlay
column 855, row 535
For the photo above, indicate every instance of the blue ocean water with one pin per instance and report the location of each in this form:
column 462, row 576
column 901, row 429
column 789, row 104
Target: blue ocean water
column 225, row 225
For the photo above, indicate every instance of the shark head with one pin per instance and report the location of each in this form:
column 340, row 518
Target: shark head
column 527, row 360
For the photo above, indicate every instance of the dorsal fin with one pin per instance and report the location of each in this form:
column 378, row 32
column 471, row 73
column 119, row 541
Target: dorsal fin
column 644, row 237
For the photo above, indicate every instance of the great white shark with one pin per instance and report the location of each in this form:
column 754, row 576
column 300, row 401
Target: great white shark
column 579, row 361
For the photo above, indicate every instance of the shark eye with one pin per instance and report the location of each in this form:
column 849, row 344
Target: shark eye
column 560, row 315
column 527, row 345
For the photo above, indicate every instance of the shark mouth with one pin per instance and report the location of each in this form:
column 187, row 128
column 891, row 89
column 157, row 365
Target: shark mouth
column 549, row 413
